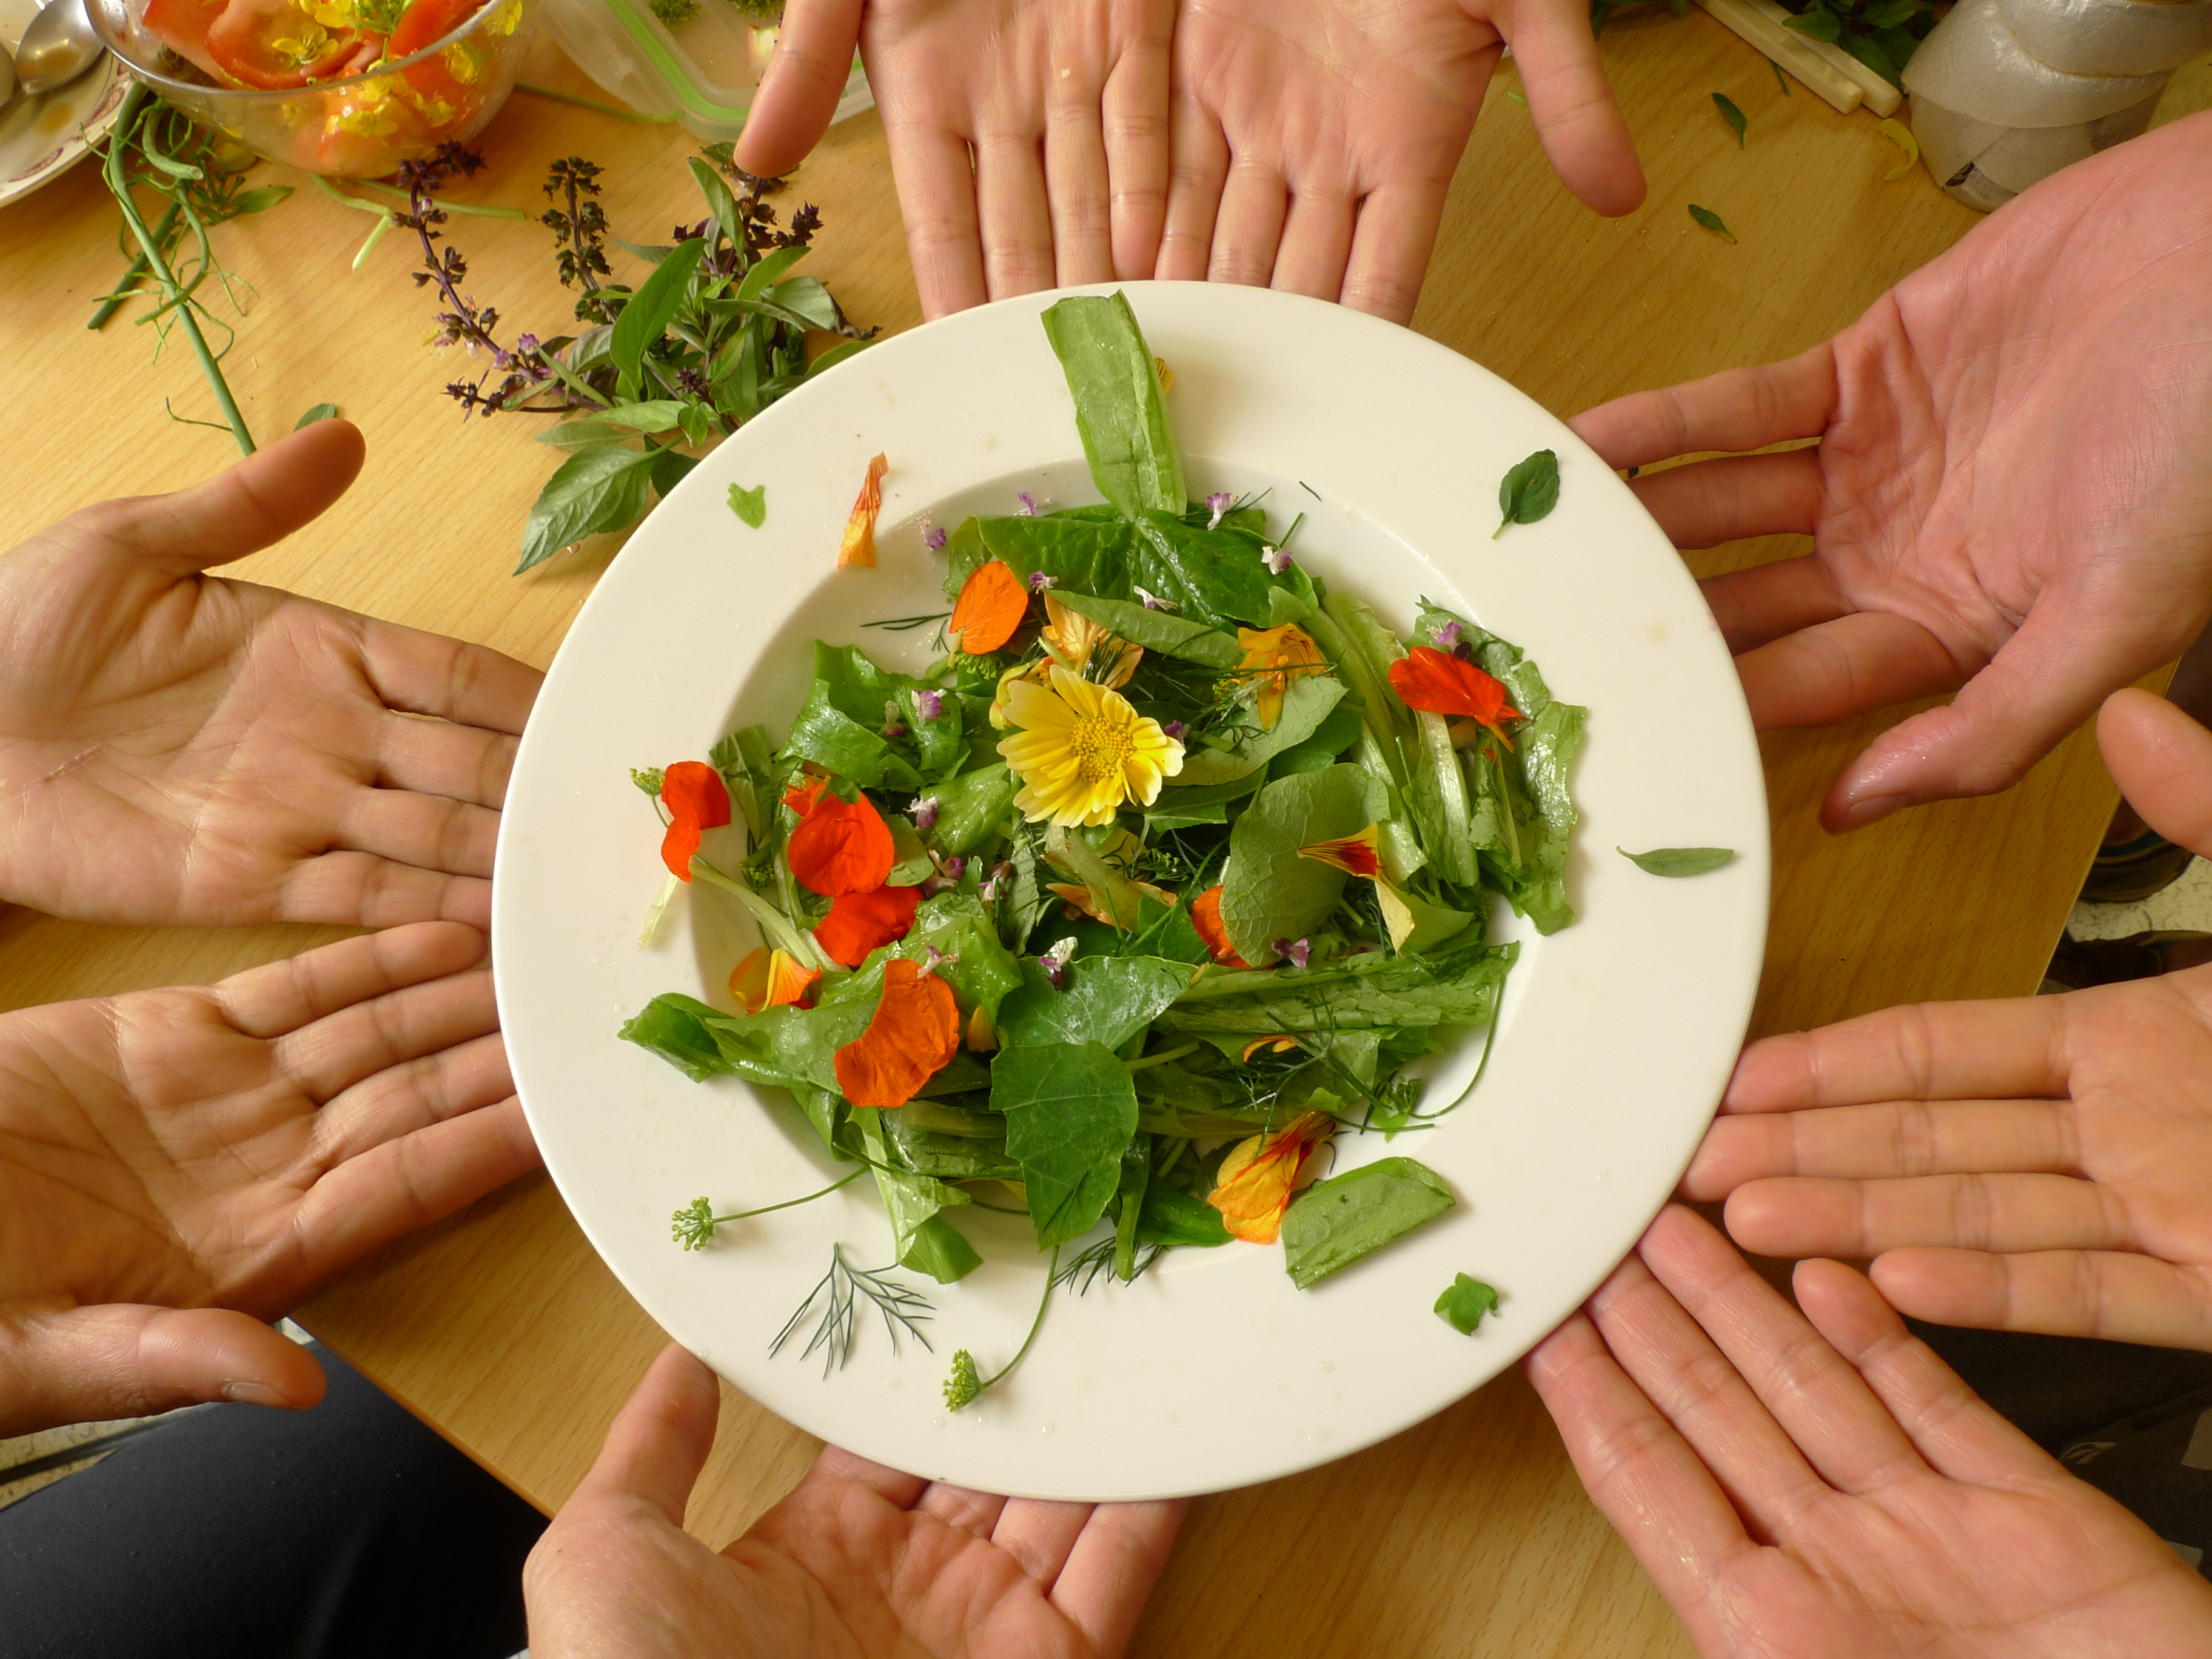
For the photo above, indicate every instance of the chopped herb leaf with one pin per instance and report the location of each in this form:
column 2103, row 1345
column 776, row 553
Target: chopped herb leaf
column 1528, row 491
column 749, row 504
column 1730, row 115
column 1464, row 1303
column 1678, row 860
column 1712, row 221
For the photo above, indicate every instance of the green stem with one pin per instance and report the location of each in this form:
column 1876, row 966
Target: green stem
column 1051, row 1273
column 767, row 1209
column 128, row 285
column 375, row 236
column 119, row 186
column 1160, row 1058
column 401, row 196
column 592, row 104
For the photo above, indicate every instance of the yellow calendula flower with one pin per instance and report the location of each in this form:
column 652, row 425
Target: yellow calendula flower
column 1073, row 637
column 1274, row 657
column 1082, row 751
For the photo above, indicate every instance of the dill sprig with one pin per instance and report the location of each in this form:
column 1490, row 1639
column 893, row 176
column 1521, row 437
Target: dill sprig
column 693, row 1226
column 839, row 1293
column 966, row 1383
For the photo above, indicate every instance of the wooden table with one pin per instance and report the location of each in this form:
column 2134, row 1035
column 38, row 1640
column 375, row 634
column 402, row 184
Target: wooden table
column 1465, row 1535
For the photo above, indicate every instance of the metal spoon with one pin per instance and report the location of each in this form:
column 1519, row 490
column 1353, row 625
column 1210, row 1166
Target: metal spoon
column 7, row 77
column 58, row 46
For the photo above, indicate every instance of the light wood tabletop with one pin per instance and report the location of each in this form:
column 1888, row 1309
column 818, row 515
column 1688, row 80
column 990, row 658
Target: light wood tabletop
column 1466, row 1535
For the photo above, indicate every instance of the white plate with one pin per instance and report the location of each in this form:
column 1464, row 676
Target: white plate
column 42, row 137
column 1212, row 1371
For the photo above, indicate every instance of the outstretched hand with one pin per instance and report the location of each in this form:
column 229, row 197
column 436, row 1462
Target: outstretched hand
column 859, row 1562
column 1830, row 1487
column 180, row 748
column 2012, row 492
column 179, row 1166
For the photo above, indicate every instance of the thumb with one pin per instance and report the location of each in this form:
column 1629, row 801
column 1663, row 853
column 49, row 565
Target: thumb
column 798, row 95
column 2162, row 760
column 1572, row 102
column 243, row 509
column 85, row 1365
column 661, row 1440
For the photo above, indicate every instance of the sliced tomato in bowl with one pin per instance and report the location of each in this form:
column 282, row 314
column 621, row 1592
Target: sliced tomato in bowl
column 435, row 80
column 271, row 45
column 182, row 25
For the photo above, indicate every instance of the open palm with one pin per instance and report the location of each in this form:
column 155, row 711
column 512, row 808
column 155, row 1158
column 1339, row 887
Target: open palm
column 2012, row 492
column 1830, row 1487
column 859, row 1562
column 181, row 749
column 177, row 1165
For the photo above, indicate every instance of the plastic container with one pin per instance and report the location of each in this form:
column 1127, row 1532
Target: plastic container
column 362, row 127
column 702, row 69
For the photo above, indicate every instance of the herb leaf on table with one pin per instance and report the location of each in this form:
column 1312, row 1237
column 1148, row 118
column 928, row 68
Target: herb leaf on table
column 1528, row 491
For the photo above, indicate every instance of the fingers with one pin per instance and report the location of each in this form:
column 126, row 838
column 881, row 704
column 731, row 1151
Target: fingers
column 284, row 997
column 961, row 1507
column 2012, row 1049
column 340, row 1050
column 661, row 1438
column 1708, row 502
column 1134, row 109
column 1960, row 1436
column 1767, row 601
column 1103, row 1582
column 1898, row 1138
column 1640, row 1472
column 1250, row 226
column 84, row 1364
column 248, row 507
column 1014, row 212
column 362, row 890
column 1801, row 1216
column 836, row 1465
column 2162, row 760
column 401, row 1099
column 2120, row 1296
column 430, row 674
column 1078, row 187
column 1198, row 172
column 1571, row 104
column 1316, row 244
column 1391, row 241
column 1738, row 409
column 1834, row 670
column 1040, row 1534
column 799, row 93
column 426, row 832
column 434, row 757
column 937, row 201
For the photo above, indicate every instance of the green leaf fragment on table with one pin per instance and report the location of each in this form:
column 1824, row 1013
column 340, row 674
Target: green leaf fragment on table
column 1780, row 79
column 1071, row 1108
column 1464, row 1303
column 1335, row 1222
column 1678, row 860
column 1711, row 221
column 1732, row 115
column 1528, row 491
column 320, row 412
column 749, row 504
column 598, row 488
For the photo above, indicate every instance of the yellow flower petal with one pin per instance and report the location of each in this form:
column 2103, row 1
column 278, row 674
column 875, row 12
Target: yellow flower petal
column 1082, row 750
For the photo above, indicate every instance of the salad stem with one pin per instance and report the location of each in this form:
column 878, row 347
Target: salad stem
column 136, row 269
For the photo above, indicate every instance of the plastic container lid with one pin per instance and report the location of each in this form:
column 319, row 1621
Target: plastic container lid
column 702, row 70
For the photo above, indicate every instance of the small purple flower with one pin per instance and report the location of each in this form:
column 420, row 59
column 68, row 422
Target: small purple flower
column 1448, row 636
column 1000, row 874
column 924, row 808
column 1175, row 729
column 1217, row 503
column 1055, row 963
column 929, row 704
column 1275, row 559
column 1296, row 952
column 525, row 344
column 952, row 868
column 932, row 537
column 1029, row 505
column 893, row 725
column 1154, row 602
column 935, row 959
column 1039, row 581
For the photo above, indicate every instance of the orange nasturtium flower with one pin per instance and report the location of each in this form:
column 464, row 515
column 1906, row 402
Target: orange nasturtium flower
column 1274, row 657
column 1260, row 1177
column 991, row 606
column 1437, row 683
column 858, row 546
column 696, row 799
column 915, row 1034
column 1360, row 855
column 770, row 979
column 1205, row 916
column 840, row 846
column 859, row 922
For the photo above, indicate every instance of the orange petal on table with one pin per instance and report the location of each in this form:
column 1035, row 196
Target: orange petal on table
column 859, row 922
column 991, row 606
column 1205, row 916
column 858, row 546
column 915, row 1034
column 696, row 799
column 1355, row 855
column 770, row 979
column 1437, row 683
column 1259, row 1175
column 842, row 846
column 1281, row 1045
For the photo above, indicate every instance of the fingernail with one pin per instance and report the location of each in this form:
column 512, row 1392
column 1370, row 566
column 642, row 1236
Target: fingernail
column 247, row 1392
column 1872, row 809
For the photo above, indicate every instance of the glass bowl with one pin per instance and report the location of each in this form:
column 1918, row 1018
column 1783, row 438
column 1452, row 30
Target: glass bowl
column 362, row 127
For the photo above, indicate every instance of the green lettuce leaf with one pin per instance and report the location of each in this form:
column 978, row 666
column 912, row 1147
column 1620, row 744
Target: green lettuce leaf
column 1120, row 411
column 1308, row 704
column 1107, row 1000
column 1268, row 892
column 1397, row 991
column 1159, row 630
column 1335, row 1222
column 1070, row 1111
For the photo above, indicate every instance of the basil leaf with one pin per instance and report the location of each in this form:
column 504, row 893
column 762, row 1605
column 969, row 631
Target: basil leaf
column 720, row 203
column 840, row 726
column 1464, row 1303
column 1070, row 1110
column 1529, row 491
column 669, row 469
column 1678, row 860
column 1269, row 892
column 768, row 270
column 1821, row 25
column 1335, row 1222
column 1307, row 702
column 600, row 489
column 320, row 412
column 1732, row 115
column 1169, row 1217
column 1159, row 630
column 805, row 298
column 1107, row 1000
column 1120, row 411
column 749, row 504
column 836, row 355
column 646, row 316
column 1712, row 221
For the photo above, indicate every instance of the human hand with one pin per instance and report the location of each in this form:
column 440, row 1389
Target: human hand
column 2012, row 494
column 2039, row 1164
column 178, row 1166
column 1831, row 1487
column 858, row 1561
column 180, row 748
column 1308, row 143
